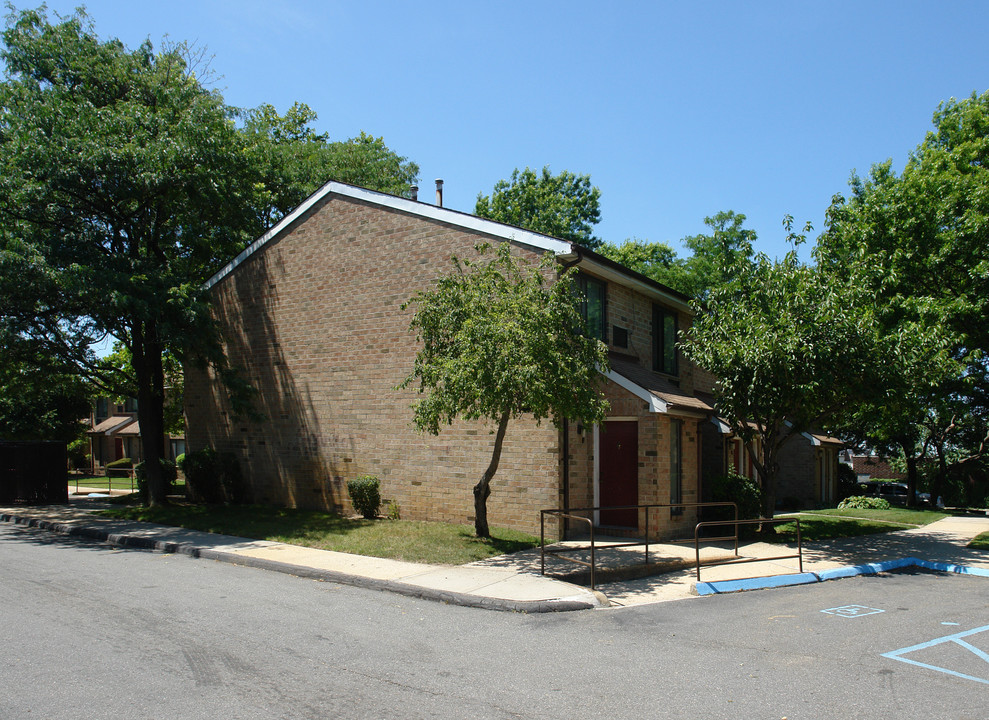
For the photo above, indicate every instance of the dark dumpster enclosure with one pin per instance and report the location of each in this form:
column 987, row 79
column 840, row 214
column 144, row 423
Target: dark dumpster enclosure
column 33, row 473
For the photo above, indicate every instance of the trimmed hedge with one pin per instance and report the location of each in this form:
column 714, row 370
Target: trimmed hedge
column 365, row 495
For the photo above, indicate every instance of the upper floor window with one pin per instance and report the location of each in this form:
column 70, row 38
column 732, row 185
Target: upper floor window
column 592, row 307
column 664, row 337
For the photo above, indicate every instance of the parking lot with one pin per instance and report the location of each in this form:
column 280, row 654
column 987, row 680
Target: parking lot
column 907, row 644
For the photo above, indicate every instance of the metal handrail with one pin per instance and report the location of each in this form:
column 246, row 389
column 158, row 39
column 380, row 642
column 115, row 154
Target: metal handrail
column 568, row 513
column 738, row 561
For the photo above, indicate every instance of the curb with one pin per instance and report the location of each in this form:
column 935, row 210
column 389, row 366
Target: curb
column 719, row 587
column 164, row 546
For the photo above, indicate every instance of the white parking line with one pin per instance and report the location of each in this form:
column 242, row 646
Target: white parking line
column 957, row 639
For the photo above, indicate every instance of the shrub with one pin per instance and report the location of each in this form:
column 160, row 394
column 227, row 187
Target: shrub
column 178, row 461
column 213, row 477
column 365, row 495
column 78, row 452
column 847, row 481
column 741, row 490
column 861, row 502
column 121, row 463
column 168, row 472
column 394, row 511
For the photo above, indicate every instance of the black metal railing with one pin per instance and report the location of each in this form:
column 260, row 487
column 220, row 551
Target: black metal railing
column 737, row 560
column 569, row 514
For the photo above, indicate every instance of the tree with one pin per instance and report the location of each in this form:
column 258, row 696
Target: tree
column 126, row 179
column 713, row 257
column 565, row 206
column 124, row 185
column 919, row 241
column 501, row 339
column 40, row 398
column 655, row 260
column 791, row 351
column 293, row 160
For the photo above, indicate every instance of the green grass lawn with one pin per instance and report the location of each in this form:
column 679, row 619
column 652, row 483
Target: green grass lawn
column 428, row 542
column 848, row 522
column 980, row 542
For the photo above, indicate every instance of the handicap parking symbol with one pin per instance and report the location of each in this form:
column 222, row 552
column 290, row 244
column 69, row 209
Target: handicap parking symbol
column 851, row 611
column 972, row 657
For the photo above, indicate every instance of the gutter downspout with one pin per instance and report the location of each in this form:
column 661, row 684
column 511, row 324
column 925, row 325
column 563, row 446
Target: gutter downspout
column 566, row 424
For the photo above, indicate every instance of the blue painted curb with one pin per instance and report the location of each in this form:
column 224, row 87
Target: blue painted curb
column 726, row 586
column 867, row 569
column 947, row 567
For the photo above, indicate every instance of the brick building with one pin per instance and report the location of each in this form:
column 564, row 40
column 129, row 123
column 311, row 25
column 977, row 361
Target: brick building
column 312, row 315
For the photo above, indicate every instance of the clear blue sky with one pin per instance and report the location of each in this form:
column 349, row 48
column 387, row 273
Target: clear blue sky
column 675, row 110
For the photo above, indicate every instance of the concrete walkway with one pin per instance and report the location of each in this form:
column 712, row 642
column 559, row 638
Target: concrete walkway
column 512, row 582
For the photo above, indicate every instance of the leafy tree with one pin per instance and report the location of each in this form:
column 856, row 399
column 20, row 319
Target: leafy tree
column 713, row 259
column 656, row 260
column 123, row 181
column 919, row 242
column 294, row 160
column 502, row 339
column 40, row 397
column 124, row 184
column 565, row 206
column 791, row 350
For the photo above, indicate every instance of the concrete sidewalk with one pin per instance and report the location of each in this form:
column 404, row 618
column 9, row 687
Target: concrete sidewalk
column 512, row 582
column 469, row 585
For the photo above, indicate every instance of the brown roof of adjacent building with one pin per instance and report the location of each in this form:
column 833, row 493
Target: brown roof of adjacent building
column 115, row 423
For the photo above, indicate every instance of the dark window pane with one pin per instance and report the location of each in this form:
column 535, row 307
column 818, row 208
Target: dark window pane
column 592, row 307
column 664, row 334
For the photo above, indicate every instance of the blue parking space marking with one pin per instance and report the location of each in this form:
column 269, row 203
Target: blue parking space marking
column 959, row 640
column 850, row 611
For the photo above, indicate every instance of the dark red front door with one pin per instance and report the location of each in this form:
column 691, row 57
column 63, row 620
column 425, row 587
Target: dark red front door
column 618, row 477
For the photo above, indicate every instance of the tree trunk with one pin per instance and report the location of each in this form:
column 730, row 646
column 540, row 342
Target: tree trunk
column 911, row 475
column 146, row 358
column 483, row 488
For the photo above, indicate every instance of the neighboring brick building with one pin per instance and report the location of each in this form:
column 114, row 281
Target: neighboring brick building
column 808, row 475
column 312, row 314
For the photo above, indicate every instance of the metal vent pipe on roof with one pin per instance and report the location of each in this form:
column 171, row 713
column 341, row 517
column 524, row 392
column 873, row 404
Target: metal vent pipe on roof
column 439, row 192
column 414, row 191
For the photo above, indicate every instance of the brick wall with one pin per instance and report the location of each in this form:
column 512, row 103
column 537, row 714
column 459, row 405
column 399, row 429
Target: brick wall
column 315, row 322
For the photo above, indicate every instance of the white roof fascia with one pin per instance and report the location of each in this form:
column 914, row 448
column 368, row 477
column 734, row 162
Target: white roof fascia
column 419, row 209
column 615, row 276
column 656, row 405
column 723, row 427
column 813, row 440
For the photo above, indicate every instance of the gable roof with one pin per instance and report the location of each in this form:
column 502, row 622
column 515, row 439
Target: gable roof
column 565, row 250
